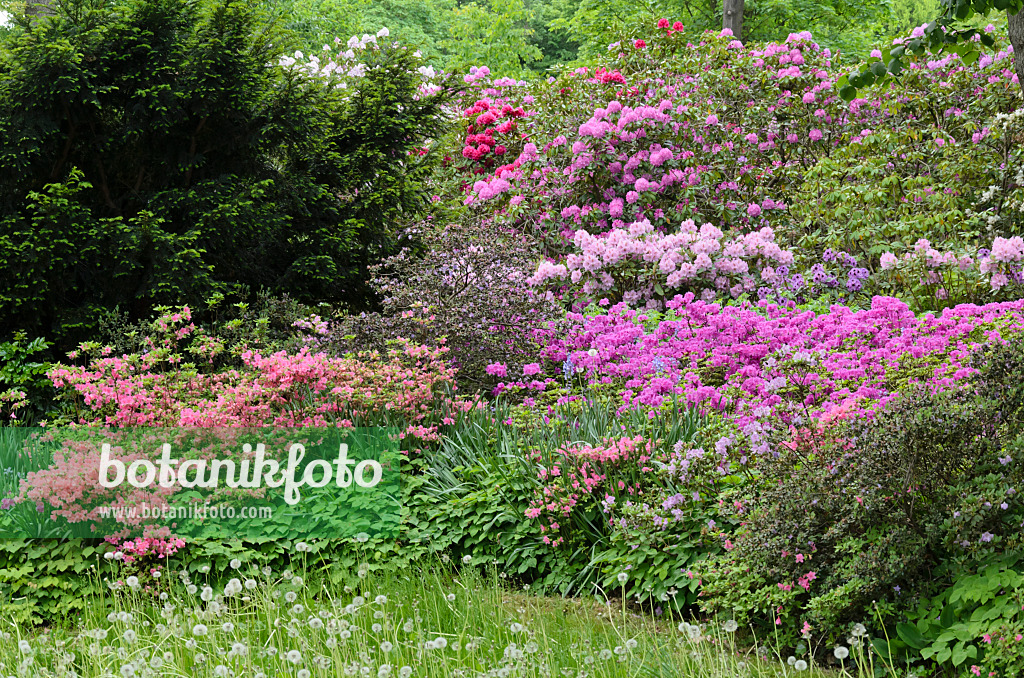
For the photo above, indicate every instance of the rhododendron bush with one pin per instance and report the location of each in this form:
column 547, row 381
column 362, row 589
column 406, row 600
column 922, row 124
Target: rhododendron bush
column 618, row 163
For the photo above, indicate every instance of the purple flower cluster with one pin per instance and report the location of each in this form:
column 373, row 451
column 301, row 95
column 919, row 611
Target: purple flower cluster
column 760, row 364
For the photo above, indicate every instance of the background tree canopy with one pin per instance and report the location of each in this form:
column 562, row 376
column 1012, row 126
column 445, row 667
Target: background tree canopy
column 524, row 37
column 156, row 151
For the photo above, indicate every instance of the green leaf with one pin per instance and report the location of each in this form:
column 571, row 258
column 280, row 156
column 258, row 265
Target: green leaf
column 962, row 652
column 948, row 616
column 881, row 647
column 911, row 636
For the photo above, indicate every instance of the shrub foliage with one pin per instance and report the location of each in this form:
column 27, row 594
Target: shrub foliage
column 158, row 151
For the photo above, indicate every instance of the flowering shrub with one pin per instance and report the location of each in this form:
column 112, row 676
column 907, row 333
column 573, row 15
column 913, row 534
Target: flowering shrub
column 937, row 279
column 878, row 510
column 654, row 503
column 578, row 473
column 492, row 129
column 619, row 160
column 771, row 362
column 407, row 383
column 637, row 263
column 71, row 489
column 797, row 129
column 467, row 292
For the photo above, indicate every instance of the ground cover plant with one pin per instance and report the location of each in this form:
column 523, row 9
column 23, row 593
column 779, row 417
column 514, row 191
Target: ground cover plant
column 682, row 330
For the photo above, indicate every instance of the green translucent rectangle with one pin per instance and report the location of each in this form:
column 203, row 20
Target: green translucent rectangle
column 218, row 483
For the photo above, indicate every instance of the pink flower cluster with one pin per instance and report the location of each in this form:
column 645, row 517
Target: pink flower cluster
column 770, row 365
column 631, row 261
column 71, row 489
column 490, row 122
column 281, row 390
column 574, row 479
column 954, row 274
column 131, row 550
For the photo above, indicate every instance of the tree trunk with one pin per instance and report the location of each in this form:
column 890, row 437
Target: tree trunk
column 1016, row 30
column 732, row 17
column 38, row 9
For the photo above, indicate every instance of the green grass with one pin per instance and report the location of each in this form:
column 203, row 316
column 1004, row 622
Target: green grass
column 436, row 621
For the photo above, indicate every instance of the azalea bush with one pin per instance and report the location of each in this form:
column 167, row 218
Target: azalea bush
column 769, row 364
column 163, row 387
column 865, row 518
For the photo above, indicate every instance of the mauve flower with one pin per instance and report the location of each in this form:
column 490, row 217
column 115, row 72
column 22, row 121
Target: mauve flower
column 496, row 369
